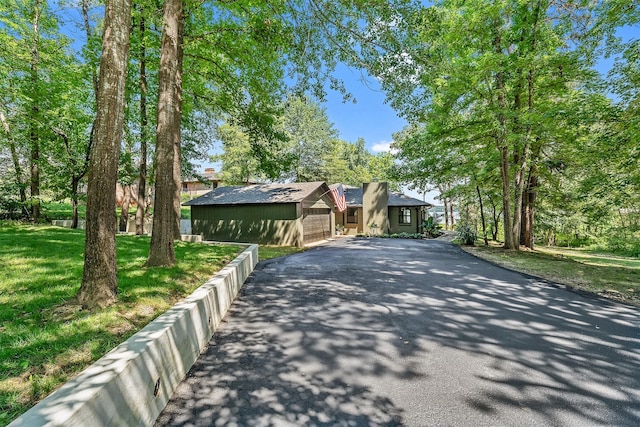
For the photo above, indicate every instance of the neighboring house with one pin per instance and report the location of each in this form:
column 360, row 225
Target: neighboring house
column 197, row 186
column 278, row 214
column 121, row 192
column 373, row 209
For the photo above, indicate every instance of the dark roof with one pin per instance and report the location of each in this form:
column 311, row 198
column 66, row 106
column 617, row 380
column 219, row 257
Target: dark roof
column 208, row 175
column 353, row 196
column 257, row 194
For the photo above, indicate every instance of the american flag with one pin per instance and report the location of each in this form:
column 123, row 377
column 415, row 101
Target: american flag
column 337, row 194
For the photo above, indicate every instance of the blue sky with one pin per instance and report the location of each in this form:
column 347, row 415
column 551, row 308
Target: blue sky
column 369, row 118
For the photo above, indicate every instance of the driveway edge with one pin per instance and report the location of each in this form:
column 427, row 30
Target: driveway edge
column 132, row 383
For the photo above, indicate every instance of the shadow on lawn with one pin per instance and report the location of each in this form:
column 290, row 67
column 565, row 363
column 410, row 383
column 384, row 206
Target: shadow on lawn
column 44, row 336
column 323, row 349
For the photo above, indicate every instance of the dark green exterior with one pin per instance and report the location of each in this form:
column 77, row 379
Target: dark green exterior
column 275, row 224
column 417, row 217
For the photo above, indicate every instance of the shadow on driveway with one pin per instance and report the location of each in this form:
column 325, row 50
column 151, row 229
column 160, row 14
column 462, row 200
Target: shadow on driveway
column 402, row 332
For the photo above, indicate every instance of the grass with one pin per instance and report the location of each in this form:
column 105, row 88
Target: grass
column 607, row 275
column 269, row 251
column 45, row 339
column 62, row 210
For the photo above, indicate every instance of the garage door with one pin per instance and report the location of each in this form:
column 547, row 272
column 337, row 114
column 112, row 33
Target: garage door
column 316, row 224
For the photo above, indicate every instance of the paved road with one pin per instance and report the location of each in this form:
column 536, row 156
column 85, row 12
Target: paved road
column 417, row 333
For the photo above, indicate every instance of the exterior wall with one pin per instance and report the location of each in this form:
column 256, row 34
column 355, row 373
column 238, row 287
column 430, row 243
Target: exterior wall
column 375, row 199
column 275, row 224
column 394, row 221
column 189, row 186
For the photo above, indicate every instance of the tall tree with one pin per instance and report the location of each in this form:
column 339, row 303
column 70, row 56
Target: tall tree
column 69, row 151
column 310, row 135
column 168, row 135
column 495, row 74
column 34, row 110
column 142, row 163
column 99, row 280
column 238, row 164
column 33, row 49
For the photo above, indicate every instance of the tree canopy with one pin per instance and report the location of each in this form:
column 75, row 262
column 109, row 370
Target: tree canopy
column 503, row 99
column 506, row 112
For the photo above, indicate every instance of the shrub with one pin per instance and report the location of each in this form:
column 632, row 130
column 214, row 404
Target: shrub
column 402, row 235
column 623, row 243
column 466, row 234
column 431, row 229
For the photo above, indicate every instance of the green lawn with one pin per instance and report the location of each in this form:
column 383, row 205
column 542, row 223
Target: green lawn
column 44, row 338
column 607, row 275
column 269, row 251
column 62, row 210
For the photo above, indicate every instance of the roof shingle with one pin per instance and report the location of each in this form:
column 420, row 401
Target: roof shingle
column 353, row 196
column 257, row 194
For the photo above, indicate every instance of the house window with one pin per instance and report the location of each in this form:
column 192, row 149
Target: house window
column 352, row 215
column 405, row 216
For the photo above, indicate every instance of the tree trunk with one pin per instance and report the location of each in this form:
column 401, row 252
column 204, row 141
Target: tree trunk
column 509, row 242
column 99, row 280
column 503, row 144
column 75, row 182
column 124, row 209
column 523, row 206
column 496, row 224
column 16, row 165
column 177, row 153
column 451, row 214
column 34, row 135
column 484, row 224
column 142, row 179
column 167, row 135
column 177, row 166
column 528, row 209
column 446, row 214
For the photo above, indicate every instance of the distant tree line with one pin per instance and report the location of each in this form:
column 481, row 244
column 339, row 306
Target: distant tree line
column 310, row 150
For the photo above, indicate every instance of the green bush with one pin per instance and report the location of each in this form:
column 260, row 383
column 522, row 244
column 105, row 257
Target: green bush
column 431, row 229
column 572, row 240
column 623, row 243
column 402, row 235
column 466, row 235
column 10, row 204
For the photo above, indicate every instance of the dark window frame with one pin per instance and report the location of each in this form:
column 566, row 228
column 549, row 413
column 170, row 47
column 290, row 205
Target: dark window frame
column 405, row 216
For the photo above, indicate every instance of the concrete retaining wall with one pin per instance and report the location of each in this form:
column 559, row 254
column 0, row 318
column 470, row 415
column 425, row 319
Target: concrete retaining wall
column 191, row 238
column 132, row 383
column 185, row 225
column 82, row 224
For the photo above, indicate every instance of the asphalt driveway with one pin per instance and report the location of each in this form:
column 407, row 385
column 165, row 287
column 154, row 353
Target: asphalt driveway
column 400, row 332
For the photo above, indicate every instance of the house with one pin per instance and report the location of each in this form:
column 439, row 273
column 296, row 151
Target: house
column 278, row 214
column 374, row 209
column 200, row 185
column 301, row 213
